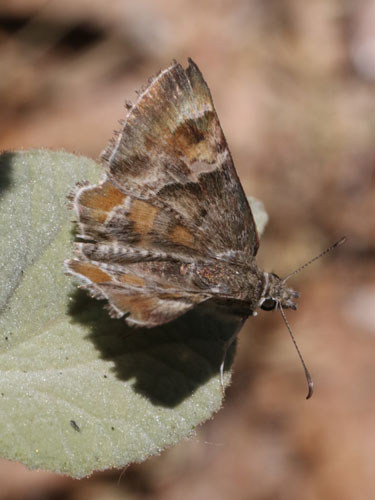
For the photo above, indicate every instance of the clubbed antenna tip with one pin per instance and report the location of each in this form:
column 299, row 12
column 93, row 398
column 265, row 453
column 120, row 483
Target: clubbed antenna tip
column 310, row 385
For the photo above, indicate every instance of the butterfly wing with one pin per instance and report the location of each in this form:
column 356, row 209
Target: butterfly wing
column 172, row 152
column 146, row 293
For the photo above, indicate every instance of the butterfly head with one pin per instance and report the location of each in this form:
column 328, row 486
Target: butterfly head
column 275, row 293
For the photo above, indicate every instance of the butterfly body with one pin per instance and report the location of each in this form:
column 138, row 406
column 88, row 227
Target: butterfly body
column 169, row 226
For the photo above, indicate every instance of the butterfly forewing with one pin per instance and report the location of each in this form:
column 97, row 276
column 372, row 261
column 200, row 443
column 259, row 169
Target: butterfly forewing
column 172, row 152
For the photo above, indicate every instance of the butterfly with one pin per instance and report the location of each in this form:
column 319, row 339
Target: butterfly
column 169, row 225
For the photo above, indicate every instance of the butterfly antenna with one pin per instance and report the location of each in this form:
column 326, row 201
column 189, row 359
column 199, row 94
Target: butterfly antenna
column 338, row 243
column 309, row 380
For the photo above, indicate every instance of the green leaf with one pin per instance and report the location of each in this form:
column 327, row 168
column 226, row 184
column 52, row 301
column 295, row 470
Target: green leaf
column 259, row 214
column 80, row 391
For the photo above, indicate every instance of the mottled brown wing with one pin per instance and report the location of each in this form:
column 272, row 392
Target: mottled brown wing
column 146, row 293
column 173, row 154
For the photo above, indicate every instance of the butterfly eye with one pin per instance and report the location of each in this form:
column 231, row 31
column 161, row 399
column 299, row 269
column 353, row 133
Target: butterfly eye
column 268, row 305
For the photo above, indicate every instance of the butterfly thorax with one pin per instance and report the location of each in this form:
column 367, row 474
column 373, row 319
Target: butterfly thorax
column 227, row 282
column 248, row 286
column 223, row 278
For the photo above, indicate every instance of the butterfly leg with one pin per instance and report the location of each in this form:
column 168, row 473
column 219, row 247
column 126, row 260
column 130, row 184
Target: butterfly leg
column 227, row 345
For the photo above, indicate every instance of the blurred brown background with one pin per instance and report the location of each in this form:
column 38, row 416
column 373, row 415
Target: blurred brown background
column 293, row 84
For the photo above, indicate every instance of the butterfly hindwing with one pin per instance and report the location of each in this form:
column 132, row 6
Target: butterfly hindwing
column 147, row 294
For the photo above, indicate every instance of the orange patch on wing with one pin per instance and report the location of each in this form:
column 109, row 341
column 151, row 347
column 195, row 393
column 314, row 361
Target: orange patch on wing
column 101, row 200
column 131, row 279
column 151, row 310
column 194, row 138
column 181, row 236
column 140, row 307
column 143, row 215
column 93, row 273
